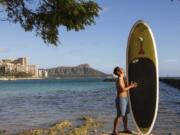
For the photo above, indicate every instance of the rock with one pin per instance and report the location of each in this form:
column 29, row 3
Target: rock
column 82, row 130
column 2, row 132
column 175, row 82
column 66, row 128
column 63, row 124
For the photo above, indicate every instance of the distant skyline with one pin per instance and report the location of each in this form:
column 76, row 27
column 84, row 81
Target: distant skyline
column 102, row 46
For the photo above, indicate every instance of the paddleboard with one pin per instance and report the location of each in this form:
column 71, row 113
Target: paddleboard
column 121, row 133
column 142, row 67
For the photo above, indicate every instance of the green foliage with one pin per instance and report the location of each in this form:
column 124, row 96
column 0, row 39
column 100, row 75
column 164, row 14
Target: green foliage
column 15, row 74
column 47, row 16
column 22, row 75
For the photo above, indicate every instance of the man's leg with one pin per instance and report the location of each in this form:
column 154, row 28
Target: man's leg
column 117, row 121
column 118, row 118
column 125, row 118
column 125, row 122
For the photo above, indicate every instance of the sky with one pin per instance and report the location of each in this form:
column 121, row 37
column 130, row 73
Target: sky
column 103, row 45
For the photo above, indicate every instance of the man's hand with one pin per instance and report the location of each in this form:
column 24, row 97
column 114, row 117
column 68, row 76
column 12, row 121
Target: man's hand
column 133, row 85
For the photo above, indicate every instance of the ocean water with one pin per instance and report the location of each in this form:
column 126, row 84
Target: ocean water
column 26, row 104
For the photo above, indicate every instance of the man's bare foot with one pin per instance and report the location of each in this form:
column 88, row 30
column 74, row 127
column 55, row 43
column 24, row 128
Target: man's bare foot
column 114, row 133
column 127, row 131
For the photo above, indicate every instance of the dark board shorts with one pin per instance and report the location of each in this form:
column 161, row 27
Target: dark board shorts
column 122, row 106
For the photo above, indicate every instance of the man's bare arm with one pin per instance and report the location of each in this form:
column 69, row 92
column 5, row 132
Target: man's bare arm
column 123, row 86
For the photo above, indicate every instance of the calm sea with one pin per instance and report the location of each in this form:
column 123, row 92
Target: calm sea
column 26, row 104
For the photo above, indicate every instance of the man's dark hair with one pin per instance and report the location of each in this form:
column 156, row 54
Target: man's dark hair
column 116, row 70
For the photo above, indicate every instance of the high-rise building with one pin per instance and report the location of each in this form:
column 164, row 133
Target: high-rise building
column 22, row 61
column 18, row 65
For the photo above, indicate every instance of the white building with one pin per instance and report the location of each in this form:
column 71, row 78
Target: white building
column 43, row 73
column 32, row 69
column 18, row 65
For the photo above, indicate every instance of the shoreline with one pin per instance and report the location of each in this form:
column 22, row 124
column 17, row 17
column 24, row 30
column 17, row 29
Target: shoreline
column 13, row 79
column 43, row 78
column 99, row 130
column 87, row 126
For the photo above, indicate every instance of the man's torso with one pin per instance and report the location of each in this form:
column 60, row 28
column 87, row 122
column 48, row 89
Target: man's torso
column 120, row 92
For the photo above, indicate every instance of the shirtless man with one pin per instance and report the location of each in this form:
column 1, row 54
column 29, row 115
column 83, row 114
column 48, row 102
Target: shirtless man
column 122, row 101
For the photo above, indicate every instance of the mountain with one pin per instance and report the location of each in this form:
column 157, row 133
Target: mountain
column 83, row 70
